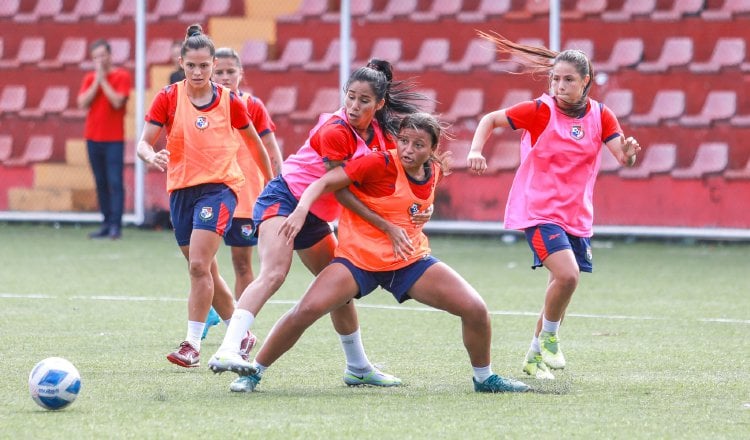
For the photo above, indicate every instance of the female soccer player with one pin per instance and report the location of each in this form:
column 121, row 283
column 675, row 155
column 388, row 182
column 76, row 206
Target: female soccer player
column 393, row 184
column 366, row 123
column 551, row 195
column 203, row 177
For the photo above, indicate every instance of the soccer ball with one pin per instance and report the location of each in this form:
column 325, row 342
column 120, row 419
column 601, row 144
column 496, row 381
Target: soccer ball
column 54, row 383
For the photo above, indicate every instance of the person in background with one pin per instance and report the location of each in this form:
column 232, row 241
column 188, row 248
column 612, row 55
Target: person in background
column 206, row 126
column 551, row 198
column 104, row 93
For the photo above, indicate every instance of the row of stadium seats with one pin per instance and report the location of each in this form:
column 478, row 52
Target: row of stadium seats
column 187, row 11
column 481, row 10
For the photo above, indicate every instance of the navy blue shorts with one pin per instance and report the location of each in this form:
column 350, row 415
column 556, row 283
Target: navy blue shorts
column 277, row 200
column 242, row 233
column 546, row 239
column 398, row 282
column 208, row 206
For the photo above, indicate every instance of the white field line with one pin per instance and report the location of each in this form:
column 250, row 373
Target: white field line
column 365, row 306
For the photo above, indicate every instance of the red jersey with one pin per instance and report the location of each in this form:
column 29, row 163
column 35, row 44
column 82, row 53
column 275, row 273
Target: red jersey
column 336, row 142
column 105, row 123
column 375, row 175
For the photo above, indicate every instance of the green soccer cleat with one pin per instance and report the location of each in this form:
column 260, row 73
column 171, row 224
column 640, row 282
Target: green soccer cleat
column 375, row 378
column 497, row 384
column 245, row 384
column 551, row 353
column 228, row 361
column 533, row 365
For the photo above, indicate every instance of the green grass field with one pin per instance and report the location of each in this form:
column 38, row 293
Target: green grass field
column 656, row 341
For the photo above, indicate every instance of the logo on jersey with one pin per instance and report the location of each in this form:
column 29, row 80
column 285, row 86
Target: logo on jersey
column 207, row 213
column 201, row 122
column 576, row 132
column 414, row 208
column 247, row 230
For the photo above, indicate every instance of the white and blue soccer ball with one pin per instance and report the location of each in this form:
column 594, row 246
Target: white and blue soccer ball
column 54, row 383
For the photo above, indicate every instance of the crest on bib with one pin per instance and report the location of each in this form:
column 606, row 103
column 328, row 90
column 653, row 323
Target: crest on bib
column 576, row 132
column 201, row 122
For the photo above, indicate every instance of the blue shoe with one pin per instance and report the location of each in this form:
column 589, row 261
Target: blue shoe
column 245, row 384
column 497, row 384
column 375, row 378
column 212, row 319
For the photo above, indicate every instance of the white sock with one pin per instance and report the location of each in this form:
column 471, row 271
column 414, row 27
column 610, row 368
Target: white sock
column 356, row 359
column 550, row 326
column 236, row 330
column 535, row 347
column 259, row 367
column 194, row 333
column 482, row 373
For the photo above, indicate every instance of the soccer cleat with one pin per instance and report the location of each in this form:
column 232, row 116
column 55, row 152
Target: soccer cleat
column 245, row 384
column 212, row 319
column 533, row 365
column 375, row 378
column 247, row 344
column 551, row 353
column 186, row 356
column 229, row 361
column 497, row 384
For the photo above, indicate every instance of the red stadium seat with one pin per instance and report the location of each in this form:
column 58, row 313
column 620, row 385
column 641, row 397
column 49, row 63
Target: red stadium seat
column 44, row 9
column 325, row 100
column 711, row 158
column 55, row 100
column 630, row 9
column 583, row 9
column 438, row 10
column 728, row 52
column 727, row 10
column 332, row 56
column 432, row 53
column 30, row 51
column 254, row 53
column 83, row 9
column 676, row 52
column 479, row 53
column 740, row 173
column 388, row 49
column 626, row 52
column 505, row 156
column 38, row 148
column 585, row 45
column 72, row 51
column 165, row 9
column 394, row 10
column 486, row 10
column 297, row 53
column 514, row 96
column 531, row 9
column 307, row 9
column 467, row 104
column 657, row 158
column 720, row 105
column 620, row 101
column 282, row 101
column 125, row 11
column 608, row 164
column 12, row 99
column 9, row 8
column 207, row 9
column 667, row 104
column 679, row 9
column 159, row 51
column 430, row 104
column 459, row 149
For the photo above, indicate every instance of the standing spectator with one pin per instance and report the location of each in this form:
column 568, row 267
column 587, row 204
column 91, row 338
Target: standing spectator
column 551, row 198
column 104, row 92
column 178, row 74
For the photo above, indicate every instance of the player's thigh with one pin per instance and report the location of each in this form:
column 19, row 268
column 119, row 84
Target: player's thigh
column 443, row 288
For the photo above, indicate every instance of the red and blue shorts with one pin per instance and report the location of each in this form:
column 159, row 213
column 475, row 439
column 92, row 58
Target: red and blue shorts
column 208, row 206
column 547, row 238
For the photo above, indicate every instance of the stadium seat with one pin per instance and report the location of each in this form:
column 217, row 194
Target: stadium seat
column 531, row 9
column 620, row 101
column 459, row 149
column 394, row 10
column 679, row 9
column 710, row 158
column 83, row 9
column 740, row 120
column 728, row 52
column 159, row 51
column 720, row 105
column 514, row 96
column 44, row 9
column 585, row 45
column 325, row 100
column 12, row 99
column 307, row 9
column 6, row 147
column 297, row 53
column 38, row 148
column 120, row 50
column 657, row 158
column 467, row 104
column 385, row 49
column 630, row 9
column 207, row 9
column 432, row 53
column 676, row 52
column 512, row 64
column 667, row 104
column 30, row 51
column 430, row 105
column 73, row 51
column 479, row 53
column 125, row 11
column 505, row 156
column 54, row 100
column 727, row 10
column 9, row 8
column 486, row 10
column 332, row 56
column 583, row 9
column 608, row 164
column 626, row 52
column 282, row 101
column 254, row 53
column 165, row 9
column 740, row 173
column 439, row 9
